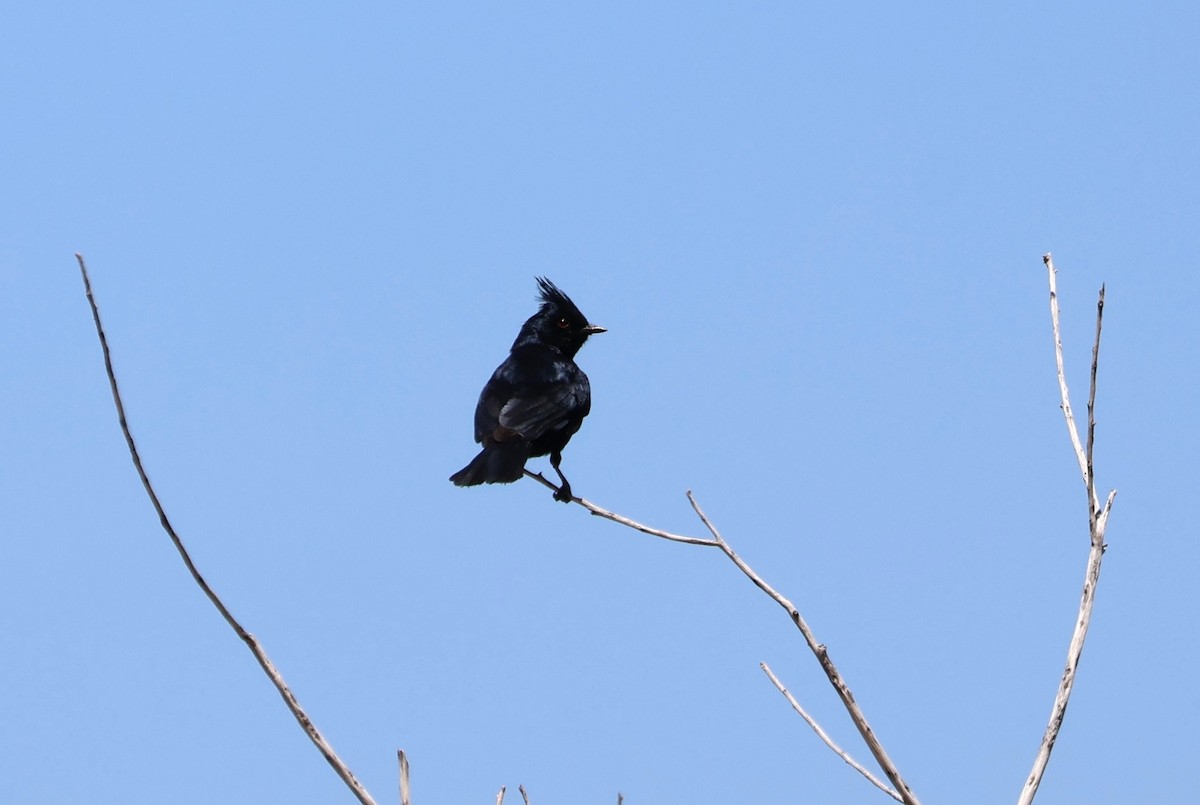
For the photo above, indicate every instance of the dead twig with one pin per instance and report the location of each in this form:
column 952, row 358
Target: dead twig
column 404, row 790
column 1097, row 524
column 1093, row 507
column 251, row 642
column 625, row 521
column 824, row 736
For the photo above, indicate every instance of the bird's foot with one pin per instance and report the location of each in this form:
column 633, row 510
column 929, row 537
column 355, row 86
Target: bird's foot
column 563, row 494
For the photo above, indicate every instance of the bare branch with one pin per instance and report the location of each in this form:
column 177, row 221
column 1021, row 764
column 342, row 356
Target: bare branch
column 500, row 796
column 822, row 655
column 1097, row 523
column 617, row 518
column 404, row 791
column 1072, row 431
column 524, row 796
column 251, row 642
column 1093, row 508
column 854, row 764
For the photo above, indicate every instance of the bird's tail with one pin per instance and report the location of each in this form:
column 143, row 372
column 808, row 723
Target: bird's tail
column 495, row 464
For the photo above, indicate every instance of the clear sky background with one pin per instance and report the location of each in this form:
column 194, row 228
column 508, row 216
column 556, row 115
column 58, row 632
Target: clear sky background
column 814, row 232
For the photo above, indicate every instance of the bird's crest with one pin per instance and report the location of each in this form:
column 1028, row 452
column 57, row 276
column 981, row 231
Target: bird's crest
column 552, row 297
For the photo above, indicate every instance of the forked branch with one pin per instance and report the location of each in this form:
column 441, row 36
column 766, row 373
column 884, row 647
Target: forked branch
column 1097, row 523
column 819, row 650
column 251, row 642
column 902, row 791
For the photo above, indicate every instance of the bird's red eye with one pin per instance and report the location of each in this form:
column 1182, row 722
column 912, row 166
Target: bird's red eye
column 563, row 323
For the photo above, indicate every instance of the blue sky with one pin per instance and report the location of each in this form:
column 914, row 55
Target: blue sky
column 815, row 235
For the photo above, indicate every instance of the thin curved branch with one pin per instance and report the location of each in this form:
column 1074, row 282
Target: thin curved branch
column 824, row 736
column 1097, row 523
column 251, row 642
column 625, row 521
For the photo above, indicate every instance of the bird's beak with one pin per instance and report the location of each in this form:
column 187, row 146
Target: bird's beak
column 592, row 329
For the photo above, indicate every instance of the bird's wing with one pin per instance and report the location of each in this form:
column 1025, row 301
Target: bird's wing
column 535, row 411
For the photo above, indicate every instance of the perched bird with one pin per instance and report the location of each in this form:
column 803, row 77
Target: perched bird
column 535, row 400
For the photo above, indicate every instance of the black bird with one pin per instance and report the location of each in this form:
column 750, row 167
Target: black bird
column 535, row 400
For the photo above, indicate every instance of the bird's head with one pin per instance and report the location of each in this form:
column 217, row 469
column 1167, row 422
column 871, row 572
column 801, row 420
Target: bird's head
column 558, row 323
